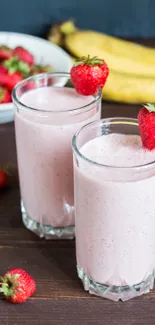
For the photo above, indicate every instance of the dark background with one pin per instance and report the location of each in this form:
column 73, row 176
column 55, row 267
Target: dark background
column 116, row 17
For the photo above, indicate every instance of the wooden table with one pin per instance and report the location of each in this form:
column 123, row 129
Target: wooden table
column 60, row 298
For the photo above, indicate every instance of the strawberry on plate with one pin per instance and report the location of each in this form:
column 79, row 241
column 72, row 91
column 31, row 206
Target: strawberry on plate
column 22, row 54
column 89, row 74
column 5, row 52
column 17, row 286
column 10, row 80
column 5, row 97
column 3, row 70
column 15, row 65
column 146, row 122
column 11, row 73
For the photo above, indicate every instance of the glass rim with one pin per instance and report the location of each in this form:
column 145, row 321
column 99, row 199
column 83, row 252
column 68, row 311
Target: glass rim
column 108, row 121
column 39, row 76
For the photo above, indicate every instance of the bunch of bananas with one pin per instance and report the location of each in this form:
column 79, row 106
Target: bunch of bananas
column 132, row 66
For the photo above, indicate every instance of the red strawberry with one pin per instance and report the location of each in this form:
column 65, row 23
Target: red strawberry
column 3, row 179
column 15, row 65
column 17, row 285
column 146, row 121
column 88, row 74
column 23, row 55
column 9, row 80
column 13, row 79
column 3, row 70
column 5, row 52
column 5, row 96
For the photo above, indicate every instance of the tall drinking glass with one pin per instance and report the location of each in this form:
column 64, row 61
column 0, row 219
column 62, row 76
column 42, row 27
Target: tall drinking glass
column 114, row 209
column 48, row 113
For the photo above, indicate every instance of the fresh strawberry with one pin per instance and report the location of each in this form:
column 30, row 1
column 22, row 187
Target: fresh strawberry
column 9, row 80
column 17, row 285
column 9, row 77
column 23, row 55
column 13, row 79
column 88, row 75
column 3, row 70
column 5, row 52
column 146, row 121
column 3, row 178
column 5, row 96
column 15, row 65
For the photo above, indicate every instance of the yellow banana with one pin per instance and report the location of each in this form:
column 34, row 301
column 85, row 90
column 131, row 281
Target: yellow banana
column 129, row 89
column 132, row 66
column 120, row 55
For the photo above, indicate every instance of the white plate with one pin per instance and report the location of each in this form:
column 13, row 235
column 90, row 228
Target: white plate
column 44, row 52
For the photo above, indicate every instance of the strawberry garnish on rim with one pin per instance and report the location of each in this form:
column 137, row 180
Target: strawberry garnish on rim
column 146, row 121
column 17, row 285
column 89, row 74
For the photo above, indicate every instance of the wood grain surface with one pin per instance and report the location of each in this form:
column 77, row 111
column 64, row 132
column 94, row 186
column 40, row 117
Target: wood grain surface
column 60, row 298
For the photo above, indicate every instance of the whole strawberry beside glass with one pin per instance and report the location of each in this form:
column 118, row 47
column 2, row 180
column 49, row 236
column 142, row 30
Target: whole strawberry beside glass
column 17, row 286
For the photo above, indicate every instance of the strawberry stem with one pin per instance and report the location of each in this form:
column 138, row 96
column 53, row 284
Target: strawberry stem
column 150, row 107
column 4, row 284
column 8, row 283
column 89, row 61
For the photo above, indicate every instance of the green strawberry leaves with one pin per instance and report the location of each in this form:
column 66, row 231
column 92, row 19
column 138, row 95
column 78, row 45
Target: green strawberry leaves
column 150, row 107
column 8, row 284
column 15, row 65
column 89, row 61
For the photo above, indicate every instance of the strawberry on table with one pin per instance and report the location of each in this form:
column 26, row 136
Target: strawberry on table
column 5, row 96
column 3, row 178
column 5, row 52
column 22, row 54
column 146, row 121
column 88, row 74
column 17, row 286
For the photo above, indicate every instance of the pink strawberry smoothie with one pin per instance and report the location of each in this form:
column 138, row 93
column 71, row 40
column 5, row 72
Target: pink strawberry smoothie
column 44, row 151
column 115, row 211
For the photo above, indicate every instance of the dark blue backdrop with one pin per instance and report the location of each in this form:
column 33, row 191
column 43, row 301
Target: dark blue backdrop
column 117, row 17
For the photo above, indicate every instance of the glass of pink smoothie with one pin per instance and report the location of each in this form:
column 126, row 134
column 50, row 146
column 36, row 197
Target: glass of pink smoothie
column 48, row 113
column 114, row 209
